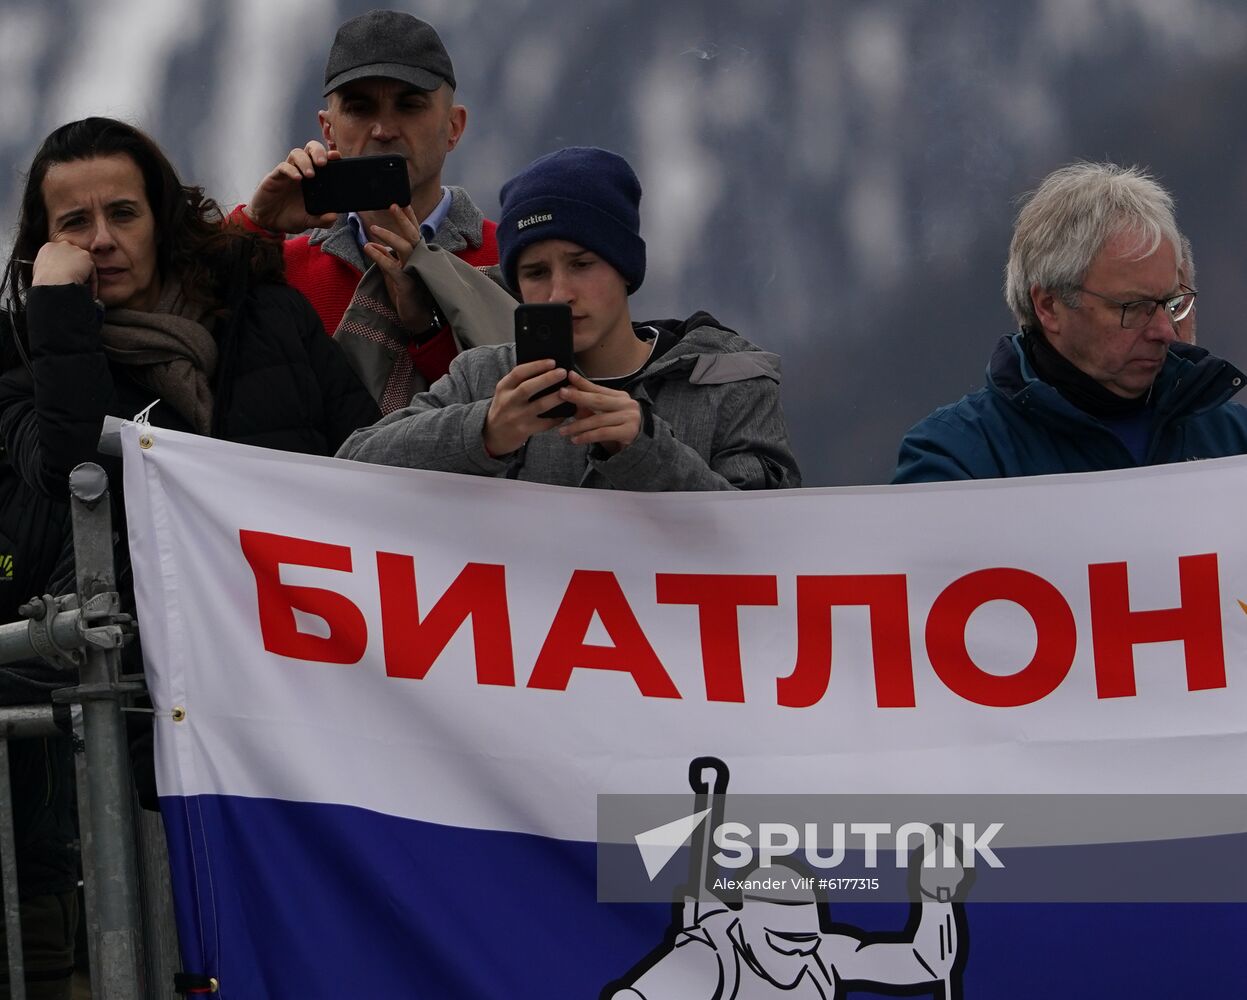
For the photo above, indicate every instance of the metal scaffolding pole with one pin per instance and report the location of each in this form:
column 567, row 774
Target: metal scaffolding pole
column 22, row 721
column 110, row 809
column 85, row 632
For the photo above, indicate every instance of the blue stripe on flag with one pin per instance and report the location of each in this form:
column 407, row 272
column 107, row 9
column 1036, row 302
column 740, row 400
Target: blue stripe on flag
column 284, row 899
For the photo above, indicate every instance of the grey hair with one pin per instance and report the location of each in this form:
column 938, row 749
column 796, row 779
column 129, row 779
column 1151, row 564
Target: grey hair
column 1186, row 266
column 1068, row 219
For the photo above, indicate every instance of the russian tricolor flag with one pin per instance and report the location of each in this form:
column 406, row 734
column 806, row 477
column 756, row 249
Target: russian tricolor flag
column 401, row 695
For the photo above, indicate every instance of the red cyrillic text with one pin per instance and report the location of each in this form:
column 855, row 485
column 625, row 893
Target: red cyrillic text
column 1056, row 637
column 412, row 646
column 589, row 593
column 718, row 597
column 348, row 631
column 1196, row 622
column 886, row 597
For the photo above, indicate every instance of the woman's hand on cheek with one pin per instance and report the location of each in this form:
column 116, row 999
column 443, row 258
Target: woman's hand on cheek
column 64, row 264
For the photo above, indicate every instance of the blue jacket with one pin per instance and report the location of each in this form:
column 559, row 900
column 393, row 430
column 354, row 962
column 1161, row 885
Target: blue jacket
column 1018, row 425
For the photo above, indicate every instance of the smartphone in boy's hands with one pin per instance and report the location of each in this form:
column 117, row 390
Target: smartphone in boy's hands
column 357, row 184
column 544, row 330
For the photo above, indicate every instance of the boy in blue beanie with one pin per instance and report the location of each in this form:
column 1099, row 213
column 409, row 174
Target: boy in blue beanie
column 664, row 405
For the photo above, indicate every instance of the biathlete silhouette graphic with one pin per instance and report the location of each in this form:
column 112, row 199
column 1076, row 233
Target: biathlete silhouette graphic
column 781, row 942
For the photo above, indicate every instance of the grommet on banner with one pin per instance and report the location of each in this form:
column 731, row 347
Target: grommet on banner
column 178, row 713
column 189, row 983
column 147, row 438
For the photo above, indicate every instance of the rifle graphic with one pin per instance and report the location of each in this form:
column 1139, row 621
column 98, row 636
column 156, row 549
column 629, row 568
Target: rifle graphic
column 708, row 777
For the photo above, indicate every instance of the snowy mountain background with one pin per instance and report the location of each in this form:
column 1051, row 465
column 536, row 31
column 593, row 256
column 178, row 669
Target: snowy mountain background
column 835, row 179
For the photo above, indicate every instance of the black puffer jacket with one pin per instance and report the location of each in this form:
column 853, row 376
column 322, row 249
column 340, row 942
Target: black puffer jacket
column 280, row 383
column 34, row 535
column 32, row 532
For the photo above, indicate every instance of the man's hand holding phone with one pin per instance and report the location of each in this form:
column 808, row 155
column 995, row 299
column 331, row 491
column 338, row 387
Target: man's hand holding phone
column 609, row 417
column 515, row 413
column 389, row 250
column 277, row 204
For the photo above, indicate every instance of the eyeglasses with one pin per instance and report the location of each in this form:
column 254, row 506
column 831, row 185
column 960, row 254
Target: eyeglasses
column 1136, row 313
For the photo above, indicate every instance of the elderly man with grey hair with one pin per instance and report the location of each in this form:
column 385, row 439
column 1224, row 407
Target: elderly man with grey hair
column 1097, row 376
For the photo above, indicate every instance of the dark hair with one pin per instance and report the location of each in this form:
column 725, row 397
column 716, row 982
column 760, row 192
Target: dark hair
column 193, row 244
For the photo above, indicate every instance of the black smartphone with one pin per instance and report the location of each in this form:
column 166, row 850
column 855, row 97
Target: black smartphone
column 357, row 184
column 544, row 330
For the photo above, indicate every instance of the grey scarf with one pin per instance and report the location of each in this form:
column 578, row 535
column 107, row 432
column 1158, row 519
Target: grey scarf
column 168, row 351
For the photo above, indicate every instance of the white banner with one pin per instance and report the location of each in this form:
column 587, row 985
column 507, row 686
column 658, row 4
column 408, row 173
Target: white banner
column 491, row 655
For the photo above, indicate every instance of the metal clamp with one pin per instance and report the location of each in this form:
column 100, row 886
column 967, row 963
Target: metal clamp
column 105, row 605
column 41, row 613
column 59, row 631
column 118, row 630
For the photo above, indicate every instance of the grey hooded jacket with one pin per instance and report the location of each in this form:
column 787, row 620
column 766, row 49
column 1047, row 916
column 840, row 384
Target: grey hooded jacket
column 712, row 422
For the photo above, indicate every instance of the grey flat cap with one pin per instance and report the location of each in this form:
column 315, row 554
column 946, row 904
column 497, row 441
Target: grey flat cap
column 391, row 44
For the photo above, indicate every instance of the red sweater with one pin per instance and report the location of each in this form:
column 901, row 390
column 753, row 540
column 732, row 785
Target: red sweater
column 328, row 282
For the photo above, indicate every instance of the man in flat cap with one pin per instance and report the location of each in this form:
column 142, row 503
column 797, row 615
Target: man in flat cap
column 390, row 89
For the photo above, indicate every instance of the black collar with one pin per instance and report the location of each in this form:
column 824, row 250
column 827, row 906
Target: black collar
column 1075, row 385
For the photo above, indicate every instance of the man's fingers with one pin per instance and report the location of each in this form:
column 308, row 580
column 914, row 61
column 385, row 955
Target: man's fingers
column 302, row 162
column 586, row 385
column 599, row 402
column 315, row 151
column 522, row 373
column 286, row 171
column 382, row 257
column 593, row 422
column 407, row 223
column 598, row 435
column 277, row 204
column 405, row 228
column 545, row 380
column 544, row 423
column 602, row 397
column 400, row 244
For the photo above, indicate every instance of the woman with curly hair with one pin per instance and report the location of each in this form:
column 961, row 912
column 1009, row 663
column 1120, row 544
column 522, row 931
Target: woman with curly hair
column 125, row 287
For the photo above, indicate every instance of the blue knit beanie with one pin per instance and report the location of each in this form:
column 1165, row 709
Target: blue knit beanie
column 582, row 194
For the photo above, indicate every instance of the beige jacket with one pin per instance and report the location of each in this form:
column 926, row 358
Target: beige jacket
column 476, row 308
